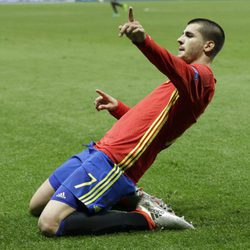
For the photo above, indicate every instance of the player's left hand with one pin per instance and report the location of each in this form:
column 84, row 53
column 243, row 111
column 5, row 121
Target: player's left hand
column 132, row 29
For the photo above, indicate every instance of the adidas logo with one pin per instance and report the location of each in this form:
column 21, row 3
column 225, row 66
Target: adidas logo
column 61, row 195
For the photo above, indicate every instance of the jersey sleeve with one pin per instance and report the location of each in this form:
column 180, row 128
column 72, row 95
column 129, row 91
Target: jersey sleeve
column 185, row 77
column 120, row 110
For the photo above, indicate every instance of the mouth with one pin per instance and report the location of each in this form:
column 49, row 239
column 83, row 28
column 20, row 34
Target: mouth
column 181, row 51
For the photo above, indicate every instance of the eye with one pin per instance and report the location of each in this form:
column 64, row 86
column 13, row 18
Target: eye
column 189, row 34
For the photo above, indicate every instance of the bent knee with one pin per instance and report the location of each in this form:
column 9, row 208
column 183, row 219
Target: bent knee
column 36, row 205
column 47, row 226
column 52, row 215
column 34, row 209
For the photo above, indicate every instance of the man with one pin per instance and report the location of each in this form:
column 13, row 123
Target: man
column 77, row 200
column 115, row 4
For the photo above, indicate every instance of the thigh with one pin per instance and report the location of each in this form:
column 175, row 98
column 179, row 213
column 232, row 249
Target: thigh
column 67, row 168
column 64, row 195
column 41, row 198
column 48, row 188
column 52, row 215
column 98, row 183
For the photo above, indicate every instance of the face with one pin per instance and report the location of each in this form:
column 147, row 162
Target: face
column 191, row 43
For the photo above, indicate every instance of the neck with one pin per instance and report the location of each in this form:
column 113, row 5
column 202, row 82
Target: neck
column 203, row 60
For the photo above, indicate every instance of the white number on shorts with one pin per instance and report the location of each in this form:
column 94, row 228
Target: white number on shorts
column 93, row 179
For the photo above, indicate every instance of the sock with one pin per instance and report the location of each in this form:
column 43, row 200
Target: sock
column 148, row 218
column 109, row 222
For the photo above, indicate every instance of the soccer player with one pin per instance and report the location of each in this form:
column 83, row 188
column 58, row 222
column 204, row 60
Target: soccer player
column 78, row 197
column 115, row 4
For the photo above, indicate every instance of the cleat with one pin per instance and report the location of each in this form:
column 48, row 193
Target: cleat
column 162, row 218
column 143, row 195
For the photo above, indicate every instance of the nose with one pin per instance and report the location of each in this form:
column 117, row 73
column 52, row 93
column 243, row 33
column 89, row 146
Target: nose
column 180, row 40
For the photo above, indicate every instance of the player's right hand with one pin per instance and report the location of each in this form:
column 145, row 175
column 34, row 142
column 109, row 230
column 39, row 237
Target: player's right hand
column 132, row 29
column 105, row 101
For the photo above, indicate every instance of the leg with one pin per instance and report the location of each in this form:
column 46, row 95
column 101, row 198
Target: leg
column 108, row 222
column 47, row 189
column 59, row 219
column 52, row 215
column 113, row 4
column 41, row 198
column 118, row 4
column 64, row 214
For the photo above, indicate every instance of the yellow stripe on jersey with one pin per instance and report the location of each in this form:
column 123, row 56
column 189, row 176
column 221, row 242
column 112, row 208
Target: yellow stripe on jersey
column 133, row 156
column 149, row 136
column 102, row 186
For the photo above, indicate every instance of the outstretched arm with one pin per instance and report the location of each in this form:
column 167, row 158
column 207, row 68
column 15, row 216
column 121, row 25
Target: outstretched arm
column 184, row 76
column 106, row 102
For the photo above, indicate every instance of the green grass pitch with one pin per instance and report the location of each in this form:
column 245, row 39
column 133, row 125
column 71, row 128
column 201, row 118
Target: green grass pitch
column 54, row 56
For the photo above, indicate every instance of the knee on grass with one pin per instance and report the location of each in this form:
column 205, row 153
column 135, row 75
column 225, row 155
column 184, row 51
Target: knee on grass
column 35, row 209
column 48, row 226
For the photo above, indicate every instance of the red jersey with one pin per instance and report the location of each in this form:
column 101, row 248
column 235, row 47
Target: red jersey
column 155, row 122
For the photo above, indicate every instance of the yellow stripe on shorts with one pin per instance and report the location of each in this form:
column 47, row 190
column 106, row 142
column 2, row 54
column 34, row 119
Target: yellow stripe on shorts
column 102, row 186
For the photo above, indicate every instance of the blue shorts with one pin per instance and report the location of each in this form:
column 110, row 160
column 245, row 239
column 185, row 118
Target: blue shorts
column 67, row 168
column 96, row 184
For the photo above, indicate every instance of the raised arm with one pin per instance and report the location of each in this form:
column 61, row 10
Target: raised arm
column 184, row 76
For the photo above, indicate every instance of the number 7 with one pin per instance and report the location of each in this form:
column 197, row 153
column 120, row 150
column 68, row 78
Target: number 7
column 93, row 179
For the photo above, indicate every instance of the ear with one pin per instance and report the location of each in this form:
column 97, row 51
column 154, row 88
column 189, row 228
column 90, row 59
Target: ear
column 209, row 46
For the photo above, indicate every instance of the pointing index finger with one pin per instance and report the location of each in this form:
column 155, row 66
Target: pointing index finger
column 101, row 93
column 130, row 14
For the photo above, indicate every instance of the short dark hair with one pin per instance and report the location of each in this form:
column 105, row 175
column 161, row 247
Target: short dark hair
column 211, row 30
